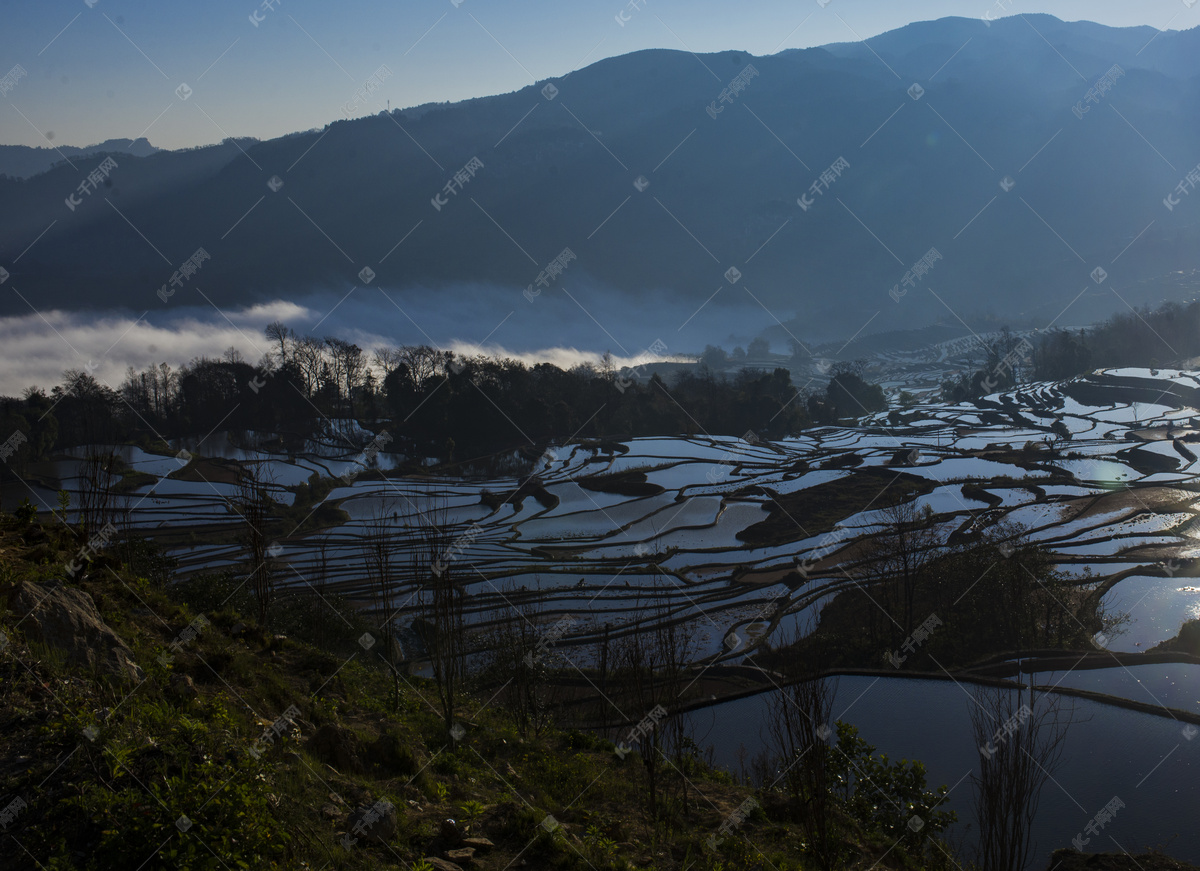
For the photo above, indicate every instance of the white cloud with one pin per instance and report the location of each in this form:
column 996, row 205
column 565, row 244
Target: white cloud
column 36, row 348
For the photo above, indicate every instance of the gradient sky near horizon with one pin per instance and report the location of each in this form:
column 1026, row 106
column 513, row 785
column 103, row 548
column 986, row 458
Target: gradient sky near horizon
column 100, row 69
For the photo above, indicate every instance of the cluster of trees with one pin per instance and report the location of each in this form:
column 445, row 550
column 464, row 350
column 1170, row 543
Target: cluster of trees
column 1006, row 360
column 1137, row 338
column 997, row 592
column 848, row 395
column 431, row 401
column 1145, row 338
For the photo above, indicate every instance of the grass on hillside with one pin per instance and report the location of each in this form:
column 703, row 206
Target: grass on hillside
column 193, row 767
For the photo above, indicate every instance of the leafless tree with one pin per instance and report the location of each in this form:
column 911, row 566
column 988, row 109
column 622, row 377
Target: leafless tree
column 799, row 726
column 253, row 502
column 424, row 363
column 386, row 359
column 378, row 547
column 123, row 519
column 1021, row 738
column 641, row 693
column 98, row 474
column 282, row 336
column 442, row 625
column 322, row 587
column 521, row 656
column 653, row 668
column 309, row 355
column 901, row 553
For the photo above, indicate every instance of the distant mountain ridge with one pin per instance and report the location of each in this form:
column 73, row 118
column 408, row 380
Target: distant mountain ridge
column 959, row 136
column 23, row 161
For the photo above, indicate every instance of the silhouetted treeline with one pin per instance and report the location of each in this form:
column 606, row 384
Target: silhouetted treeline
column 1006, row 358
column 431, row 402
column 1170, row 333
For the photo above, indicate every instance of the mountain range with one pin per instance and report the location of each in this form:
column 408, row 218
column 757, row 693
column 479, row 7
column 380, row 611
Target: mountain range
column 1044, row 163
column 23, row 161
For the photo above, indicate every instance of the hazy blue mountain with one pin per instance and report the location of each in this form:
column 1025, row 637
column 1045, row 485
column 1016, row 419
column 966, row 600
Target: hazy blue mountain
column 22, row 161
column 997, row 103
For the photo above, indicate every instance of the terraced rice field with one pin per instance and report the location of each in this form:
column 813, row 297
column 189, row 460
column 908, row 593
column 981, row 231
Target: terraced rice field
column 741, row 537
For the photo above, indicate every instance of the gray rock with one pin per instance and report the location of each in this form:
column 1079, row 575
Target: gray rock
column 65, row 619
column 376, row 824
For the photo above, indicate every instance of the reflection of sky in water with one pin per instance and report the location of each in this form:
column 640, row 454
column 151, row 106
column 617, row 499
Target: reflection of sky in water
column 1173, row 684
column 1157, row 607
column 929, row 721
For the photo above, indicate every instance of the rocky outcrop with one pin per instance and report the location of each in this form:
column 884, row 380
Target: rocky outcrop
column 65, row 619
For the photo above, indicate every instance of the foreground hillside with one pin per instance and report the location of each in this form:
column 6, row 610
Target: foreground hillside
column 138, row 733
column 138, row 730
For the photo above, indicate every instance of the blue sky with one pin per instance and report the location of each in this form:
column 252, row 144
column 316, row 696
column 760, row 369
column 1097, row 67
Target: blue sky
column 111, row 69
